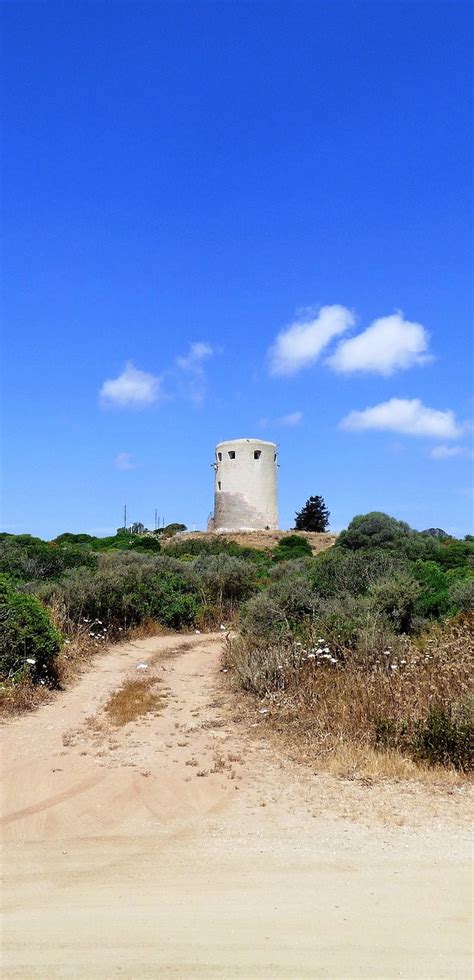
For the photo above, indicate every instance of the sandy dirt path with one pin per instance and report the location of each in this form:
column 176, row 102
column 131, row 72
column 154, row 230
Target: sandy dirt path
column 184, row 845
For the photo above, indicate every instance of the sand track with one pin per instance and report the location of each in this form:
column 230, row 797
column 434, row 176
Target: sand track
column 182, row 845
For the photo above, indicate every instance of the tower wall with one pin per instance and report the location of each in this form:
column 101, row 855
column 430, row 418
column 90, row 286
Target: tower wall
column 245, row 487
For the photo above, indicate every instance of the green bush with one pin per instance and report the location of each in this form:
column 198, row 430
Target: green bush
column 264, row 620
column 292, row 546
column 396, row 600
column 461, row 594
column 434, row 598
column 25, row 558
column 188, row 547
column 146, row 543
column 126, row 590
column 446, row 737
column 26, row 633
column 337, row 570
column 456, row 554
column 373, row 530
column 222, row 580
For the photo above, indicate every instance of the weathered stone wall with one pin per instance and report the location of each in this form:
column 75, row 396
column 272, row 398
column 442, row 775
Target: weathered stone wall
column 245, row 487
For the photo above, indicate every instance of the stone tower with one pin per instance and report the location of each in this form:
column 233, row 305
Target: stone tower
column 245, row 489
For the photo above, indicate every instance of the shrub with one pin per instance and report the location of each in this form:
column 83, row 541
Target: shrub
column 396, row 600
column 69, row 538
column 146, row 543
column 446, row 736
column 461, row 594
column 25, row 558
column 337, row 570
column 282, row 610
column 373, row 530
column 264, row 619
column 126, row 590
column 411, row 697
column 26, row 633
column 194, row 547
column 434, row 598
column 222, row 580
column 292, row 546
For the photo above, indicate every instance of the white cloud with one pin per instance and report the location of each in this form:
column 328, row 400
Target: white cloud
column 301, row 343
column 389, row 344
column 406, row 416
column 448, row 452
column 293, row 418
column 132, row 387
column 198, row 352
column 124, row 461
column 192, row 366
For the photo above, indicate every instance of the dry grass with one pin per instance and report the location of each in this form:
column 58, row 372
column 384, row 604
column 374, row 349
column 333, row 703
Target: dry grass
column 135, row 698
column 262, row 540
column 81, row 646
column 16, row 699
column 360, row 716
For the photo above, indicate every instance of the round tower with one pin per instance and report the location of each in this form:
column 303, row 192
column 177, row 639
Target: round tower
column 245, row 488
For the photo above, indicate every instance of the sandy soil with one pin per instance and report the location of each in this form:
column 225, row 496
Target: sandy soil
column 182, row 845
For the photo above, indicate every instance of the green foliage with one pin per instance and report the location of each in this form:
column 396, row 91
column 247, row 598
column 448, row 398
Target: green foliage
column 314, row 516
column 378, row 530
column 396, row 599
column 147, row 544
column 218, row 545
column 222, row 580
column 69, row 538
column 461, row 594
column 434, row 597
column 125, row 591
column 264, row 619
column 282, row 609
column 456, row 554
column 171, row 529
column 339, row 571
column 446, row 736
column 373, row 530
column 25, row 558
column 292, row 546
column 26, row 633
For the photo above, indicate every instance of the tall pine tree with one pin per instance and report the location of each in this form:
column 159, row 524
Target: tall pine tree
column 313, row 517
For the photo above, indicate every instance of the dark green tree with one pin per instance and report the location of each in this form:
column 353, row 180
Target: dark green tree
column 313, row 517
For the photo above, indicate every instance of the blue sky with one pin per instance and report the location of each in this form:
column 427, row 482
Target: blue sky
column 234, row 219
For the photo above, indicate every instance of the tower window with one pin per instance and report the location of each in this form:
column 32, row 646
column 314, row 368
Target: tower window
column 219, row 485
column 231, row 454
column 219, row 456
column 257, row 453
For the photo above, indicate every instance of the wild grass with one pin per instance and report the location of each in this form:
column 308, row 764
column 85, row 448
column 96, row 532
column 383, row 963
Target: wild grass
column 82, row 643
column 136, row 697
column 394, row 712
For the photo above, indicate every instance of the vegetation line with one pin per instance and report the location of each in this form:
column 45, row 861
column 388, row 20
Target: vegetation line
column 368, row 644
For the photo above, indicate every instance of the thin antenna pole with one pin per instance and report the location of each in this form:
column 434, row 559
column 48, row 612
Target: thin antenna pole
column 125, row 517
column 156, row 518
